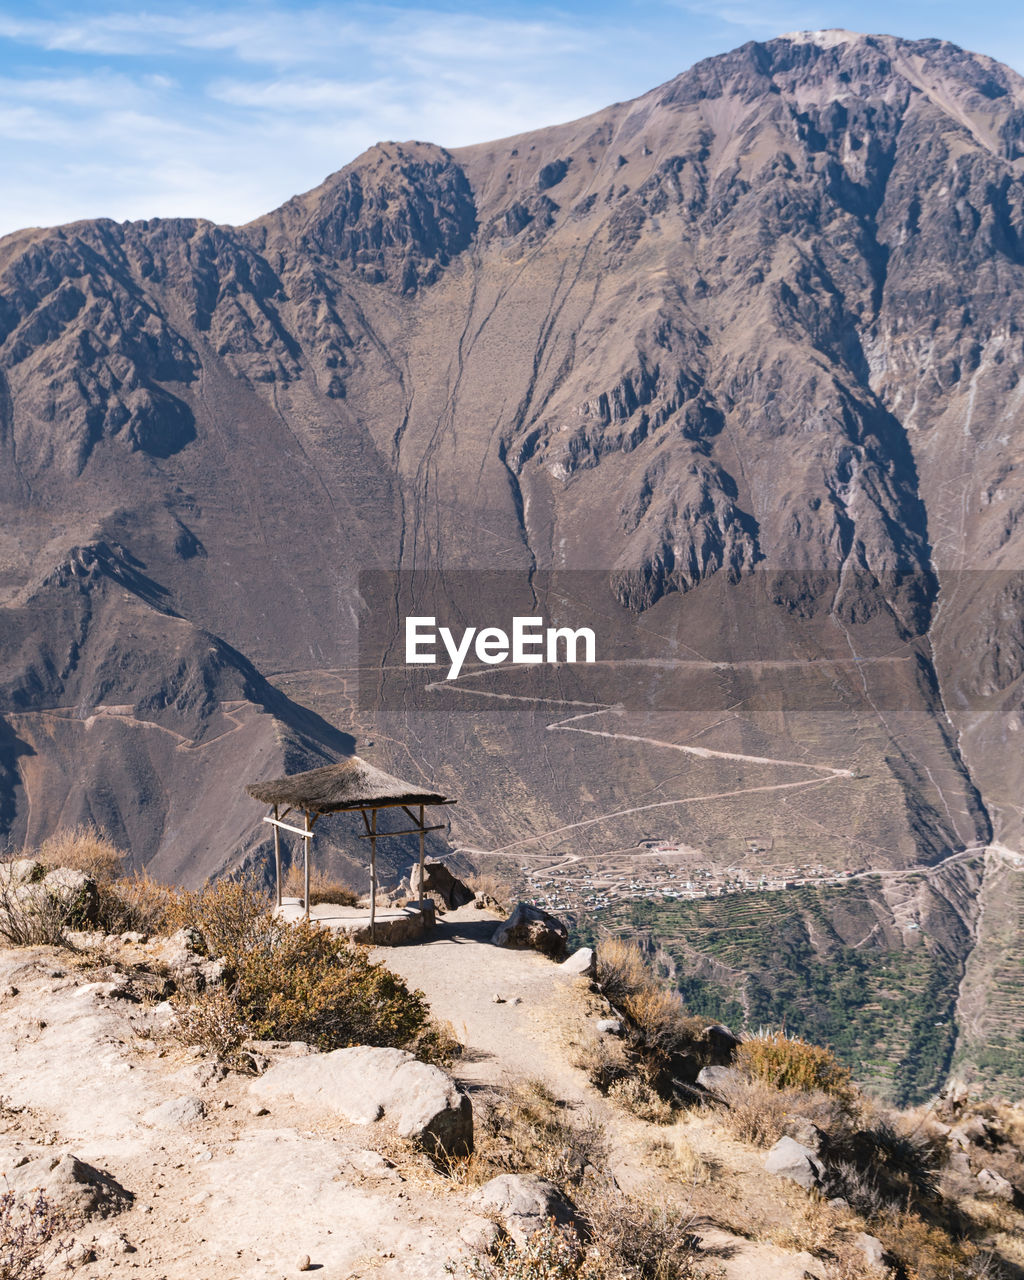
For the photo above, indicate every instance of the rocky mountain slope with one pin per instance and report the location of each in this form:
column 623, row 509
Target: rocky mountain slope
column 757, row 320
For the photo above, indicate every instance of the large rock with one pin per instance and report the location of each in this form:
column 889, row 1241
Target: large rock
column 716, row 1078
column 75, row 892
column 872, row 1249
column 582, row 963
column 74, row 1188
column 175, row 1113
column 523, row 1203
column 21, row 871
column 441, row 885
column 530, row 928
column 994, row 1184
column 365, row 1085
column 190, row 967
column 791, row 1159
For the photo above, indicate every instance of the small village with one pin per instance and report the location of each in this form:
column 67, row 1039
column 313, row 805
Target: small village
column 655, row 871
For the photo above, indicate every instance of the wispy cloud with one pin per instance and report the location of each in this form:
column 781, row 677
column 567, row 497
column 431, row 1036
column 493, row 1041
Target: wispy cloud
column 226, row 112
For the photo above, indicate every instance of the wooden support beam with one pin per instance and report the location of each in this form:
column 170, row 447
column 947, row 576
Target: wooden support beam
column 277, row 855
column 423, row 845
column 305, row 845
column 306, row 833
column 411, row 831
column 373, row 876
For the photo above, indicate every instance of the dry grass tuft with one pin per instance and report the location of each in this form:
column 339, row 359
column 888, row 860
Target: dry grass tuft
column 635, row 1095
column 524, row 1129
column 82, row 848
column 136, row 904
column 679, row 1159
column 787, row 1062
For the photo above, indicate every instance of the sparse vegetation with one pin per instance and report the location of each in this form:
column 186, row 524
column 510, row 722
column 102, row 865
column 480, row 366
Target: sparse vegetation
column 34, row 1239
column 294, row 982
column 135, row 903
column 551, row 1253
column 28, row 916
column 524, row 1129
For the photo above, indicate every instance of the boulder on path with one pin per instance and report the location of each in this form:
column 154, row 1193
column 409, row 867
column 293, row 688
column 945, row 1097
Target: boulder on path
column 71, row 892
column 364, row 1084
column 175, row 1113
column 529, row 928
column 791, row 1159
column 76, row 1189
column 441, row 885
column 524, row 1203
column 582, row 963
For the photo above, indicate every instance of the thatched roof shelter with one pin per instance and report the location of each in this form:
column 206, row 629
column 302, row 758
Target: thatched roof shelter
column 350, row 785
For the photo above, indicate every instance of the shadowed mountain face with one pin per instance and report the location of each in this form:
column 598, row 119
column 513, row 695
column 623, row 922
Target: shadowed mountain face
column 760, row 319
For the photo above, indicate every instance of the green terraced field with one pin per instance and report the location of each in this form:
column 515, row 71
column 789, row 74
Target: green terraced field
column 818, row 961
column 991, row 1050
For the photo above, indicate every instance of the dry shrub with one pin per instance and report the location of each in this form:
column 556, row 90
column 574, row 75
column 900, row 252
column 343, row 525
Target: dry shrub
column 602, row 1058
column 33, row 1237
column 658, row 1027
column 82, row 848
column 818, row 1228
column 524, row 1129
column 659, row 1023
column 232, row 916
column 621, row 969
column 29, row 917
column 136, row 904
column 787, row 1062
column 295, row 981
column 929, row 1252
column 635, row 1095
column 759, row 1113
column 675, row 1154
column 211, row 1020
column 322, row 888
column 645, row 1236
column 300, row 982
column 551, row 1253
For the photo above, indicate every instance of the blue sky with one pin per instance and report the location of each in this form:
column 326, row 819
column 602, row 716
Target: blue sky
column 225, row 110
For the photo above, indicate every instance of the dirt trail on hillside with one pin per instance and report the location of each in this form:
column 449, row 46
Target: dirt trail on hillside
column 460, row 971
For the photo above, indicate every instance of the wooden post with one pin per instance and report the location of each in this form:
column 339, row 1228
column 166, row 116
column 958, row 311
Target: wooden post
column 305, row 846
column 423, row 845
column 373, row 875
column 277, row 858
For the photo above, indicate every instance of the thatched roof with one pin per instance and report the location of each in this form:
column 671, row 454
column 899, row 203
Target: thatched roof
column 350, row 784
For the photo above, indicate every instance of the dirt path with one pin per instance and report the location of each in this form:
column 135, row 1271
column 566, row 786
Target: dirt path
column 460, row 971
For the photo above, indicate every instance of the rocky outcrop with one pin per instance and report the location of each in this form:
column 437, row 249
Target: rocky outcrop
column 364, row 1085
column 441, row 885
column 530, row 928
column 791, row 1159
column 524, row 1203
column 72, row 1187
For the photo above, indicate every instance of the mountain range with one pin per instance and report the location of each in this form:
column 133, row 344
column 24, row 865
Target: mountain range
column 736, row 363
